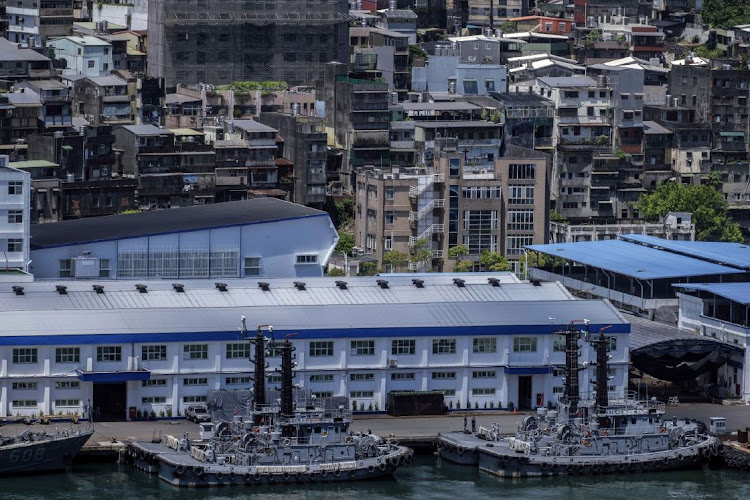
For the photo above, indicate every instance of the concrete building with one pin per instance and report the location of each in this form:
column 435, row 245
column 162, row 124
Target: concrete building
column 448, row 75
column 253, row 238
column 544, row 24
column 104, row 100
column 32, row 22
column 84, row 55
column 161, row 347
column 501, row 207
column 18, row 64
column 57, row 102
column 21, row 116
column 486, row 13
column 221, row 42
column 675, row 226
column 15, row 219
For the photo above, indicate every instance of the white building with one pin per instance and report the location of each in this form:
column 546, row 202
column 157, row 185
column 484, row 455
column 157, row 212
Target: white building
column 486, row 340
column 262, row 237
column 15, row 192
column 85, row 55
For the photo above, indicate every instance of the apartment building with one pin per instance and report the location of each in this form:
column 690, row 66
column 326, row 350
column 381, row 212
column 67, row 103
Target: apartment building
column 15, row 192
column 499, row 208
column 32, row 22
column 84, row 55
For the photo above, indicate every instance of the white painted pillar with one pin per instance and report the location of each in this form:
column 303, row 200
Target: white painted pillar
column 746, row 374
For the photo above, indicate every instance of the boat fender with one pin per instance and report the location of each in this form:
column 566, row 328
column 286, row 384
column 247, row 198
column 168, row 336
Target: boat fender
column 554, row 467
column 198, row 470
column 256, row 476
column 287, row 441
column 285, row 476
column 657, row 464
column 475, row 453
column 313, row 477
column 381, row 467
column 594, row 468
column 680, row 457
column 621, row 467
column 219, row 476
column 571, row 468
column 271, row 478
column 231, row 475
column 706, row 452
column 580, row 468
column 665, row 460
column 544, row 465
column 371, row 469
column 249, row 477
column 460, row 450
column 179, row 470
column 393, row 461
column 337, row 473
column 714, row 449
column 323, row 473
column 352, row 473
column 299, row 477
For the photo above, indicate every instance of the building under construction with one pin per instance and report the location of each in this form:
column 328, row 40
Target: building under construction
column 222, row 41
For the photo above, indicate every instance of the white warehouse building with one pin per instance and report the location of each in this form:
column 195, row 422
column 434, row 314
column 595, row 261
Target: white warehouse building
column 249, row 238
column 487, row 340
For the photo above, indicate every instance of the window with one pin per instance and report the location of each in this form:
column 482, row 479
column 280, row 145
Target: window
column 363, row 348
column 67, row 402
column 389, row 218
column 90, row 64
column 67, row 355
column 323, row 394
column 402, row 376
column 479, row 225
column 24, row 386
column 109, row 353
column 24, row 355
column 195, row 351
column 516, row 244
column 443, row 375
column 483, row 374
column 150, row 400
column 524, row 344
column 153, row 352
column 521, row 171
column 360, row 394
column 253, row 266
column 67, row 384
column 558, row 344
column 15, row 216
column 307, row 259
column 321, row 348
column 66, row 268
column 443, row 346
column 521, row 195
column 154, row 382
column 447, row 392
column 273, row 379
column 613, row 343
column 24, row 403
column 454, row 166
column 321, row 377
column 483, row 391
column 195, row 381
column 104, row 268
column 389, row 192
column 406, row 346
column 489, row 85
column 359, row 377
column 558, row 390
column 15, row 245
column 521, row 220
column 388, row 243
column 191, row 399
column 237, row 380
column 238, row 351
column 15, row 187
column 482, row 345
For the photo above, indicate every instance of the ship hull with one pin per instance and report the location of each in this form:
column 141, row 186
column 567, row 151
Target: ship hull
column 46, row 455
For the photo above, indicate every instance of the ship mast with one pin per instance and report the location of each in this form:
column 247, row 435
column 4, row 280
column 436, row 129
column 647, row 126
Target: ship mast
column 259, row 378
column 285, row 350
column 601, row 346
column 572, row 353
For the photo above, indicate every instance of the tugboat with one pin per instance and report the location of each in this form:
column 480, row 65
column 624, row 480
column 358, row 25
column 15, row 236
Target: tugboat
column 586, row 435
column 292, row 440
column 32, row 452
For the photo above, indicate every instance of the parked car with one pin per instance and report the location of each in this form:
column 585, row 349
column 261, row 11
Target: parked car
column 198, row 413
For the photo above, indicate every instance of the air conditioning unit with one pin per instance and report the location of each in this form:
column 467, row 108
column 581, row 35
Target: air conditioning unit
column 85, row 267
column 392, row 363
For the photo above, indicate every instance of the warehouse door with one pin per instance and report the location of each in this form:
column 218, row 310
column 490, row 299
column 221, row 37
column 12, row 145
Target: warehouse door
column 524, row 393
column 109, row 401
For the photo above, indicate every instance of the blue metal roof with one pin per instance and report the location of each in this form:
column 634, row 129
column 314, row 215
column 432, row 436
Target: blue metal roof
column 736, row 292
column 730, row 254
column 631, row 259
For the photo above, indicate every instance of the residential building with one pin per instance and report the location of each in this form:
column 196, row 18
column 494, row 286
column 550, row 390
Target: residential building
column 544, row 24
column 84, row 55
column 218, row 43
column 15, row 192
column 104, row 100
column 486, row 13
column 445, row 73
column 56, row 100
column 541, row 43
column 480, row 358
column 402, row 21
column 32, row 22
column 524, row 70
column 23, row 118
column 383, row 50
column 243, row 239
column 674, row 226
column 529, row 119
column 18, row 64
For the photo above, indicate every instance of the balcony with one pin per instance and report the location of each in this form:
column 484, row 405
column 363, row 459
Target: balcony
column 587, row 120
column 230, row 181
column 480, row 142
column 426, row 210
column 585, row 144
column 542, row 142
column 427, row 234
column 116, row 98
column 402, row 145
column 58, row 121
column 48, row 98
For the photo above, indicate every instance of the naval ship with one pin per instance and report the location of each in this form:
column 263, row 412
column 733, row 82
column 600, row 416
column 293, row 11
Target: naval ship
column 32, row 452
column 290, row 440
column 591, row 434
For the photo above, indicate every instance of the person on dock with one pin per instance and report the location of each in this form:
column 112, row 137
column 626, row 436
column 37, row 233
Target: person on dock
column 473, row 424
column 466, row 422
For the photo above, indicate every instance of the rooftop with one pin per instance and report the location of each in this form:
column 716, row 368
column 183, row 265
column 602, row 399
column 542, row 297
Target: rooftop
column 653, row 128
column 172, row 220
column 10, row 51
column 253, row 126
column 33, row 164
column 633, row 260
column 736, row 292
column 439, row 106
column 567, row 81
column 82, row 40
column 522, row 99
column 144, row 130
column 107, row 81
column 729, row 254
column 457, row 124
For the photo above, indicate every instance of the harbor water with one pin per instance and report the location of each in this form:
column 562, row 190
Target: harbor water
column 423, row 479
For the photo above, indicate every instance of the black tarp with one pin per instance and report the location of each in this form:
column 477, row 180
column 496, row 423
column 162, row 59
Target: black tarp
column 412, row 403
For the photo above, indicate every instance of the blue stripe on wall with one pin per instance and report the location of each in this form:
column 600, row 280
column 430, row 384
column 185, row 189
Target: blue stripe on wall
column 528, row 370
column 331, row 334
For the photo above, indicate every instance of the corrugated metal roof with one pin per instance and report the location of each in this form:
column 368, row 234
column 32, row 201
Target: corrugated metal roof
column 736, row 292
column 645, row 333
column 41, row 296
column 631, row 259
column 729, row 254
column 311, row 320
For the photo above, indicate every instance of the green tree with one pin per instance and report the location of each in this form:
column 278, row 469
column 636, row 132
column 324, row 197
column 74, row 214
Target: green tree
column 621, row 39
column 725, row 13
column 556, row 216
column 368, row 269
column 336, row 271
column 590, row 41
column 415, row 51
column 395, row 259
column 422, row 251
column 704, row 51
column 465, row 266
column 344, row 211
column 706, row 202
column 493, row 261
column 508, row 27
column 346, row 242
column 458, row 251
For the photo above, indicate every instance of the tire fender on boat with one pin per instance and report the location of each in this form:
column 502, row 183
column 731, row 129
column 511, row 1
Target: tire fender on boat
column 381, row 467
column 394, row 461
column 179, row 470
column 371, row 469
column 475, row 453
column 555, row 467
column 198, row 470
column 285, row 476
column 249, row 477
column 460, row 450
column 219, row 476
column 231, row 475
column 256, row 476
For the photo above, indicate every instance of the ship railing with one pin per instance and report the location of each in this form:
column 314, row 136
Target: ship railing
column 336, row 466
column 172, row 442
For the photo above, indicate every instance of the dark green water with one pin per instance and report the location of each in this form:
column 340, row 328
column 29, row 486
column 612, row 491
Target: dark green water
column 421, row 480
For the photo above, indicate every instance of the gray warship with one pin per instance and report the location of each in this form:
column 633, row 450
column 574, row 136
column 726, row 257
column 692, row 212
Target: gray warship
column 34, row 452
column 291, row 440
column 595, row 433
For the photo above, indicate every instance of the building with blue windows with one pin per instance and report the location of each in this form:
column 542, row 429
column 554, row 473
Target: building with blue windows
column 485, row 340
column 262, row 237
